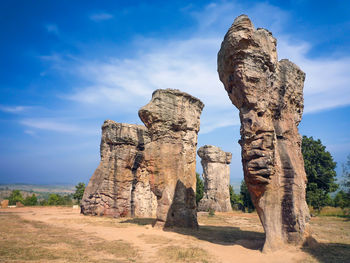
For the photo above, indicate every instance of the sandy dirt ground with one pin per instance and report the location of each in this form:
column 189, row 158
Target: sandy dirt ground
column 149, row 240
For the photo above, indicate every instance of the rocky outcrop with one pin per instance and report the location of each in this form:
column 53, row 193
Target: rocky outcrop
column 216, row 175
column 120, row 185
column 173, row 118
column 269, row 96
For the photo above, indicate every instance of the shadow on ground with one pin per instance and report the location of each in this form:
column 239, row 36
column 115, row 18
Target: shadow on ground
column 330, row 252
column 223, row 235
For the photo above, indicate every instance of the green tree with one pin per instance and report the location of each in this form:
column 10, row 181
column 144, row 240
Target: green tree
column 236, row 201
column 199, row 188
column 67, row 200
column 320, row 172
column 55, row 199
column 341, row 200
column 43, row 202
column 346, row 176
column 245, row 196
column 31, row 200
column 79, row 192
column 316, row 197
column 15, row 197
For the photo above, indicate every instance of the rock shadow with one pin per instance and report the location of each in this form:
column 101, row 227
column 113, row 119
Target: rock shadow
column 182, row 211
column 329, row 252
column 224, row 235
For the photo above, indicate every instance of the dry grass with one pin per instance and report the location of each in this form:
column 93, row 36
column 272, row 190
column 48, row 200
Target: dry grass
column 23, row 240
column 155, row 239
column 334, row 211
column 333, row 236
column 186, row 255
column 332, row 233
column 92, row 220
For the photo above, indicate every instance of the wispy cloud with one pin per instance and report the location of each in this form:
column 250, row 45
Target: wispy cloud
column 14, row 109
column 30, row 132
column 327, row 79
column 52, row 28
column 101, row 16
column 49, row 125
column 189, row 64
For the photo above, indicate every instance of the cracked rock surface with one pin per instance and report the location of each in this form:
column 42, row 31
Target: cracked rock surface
column 269, row 96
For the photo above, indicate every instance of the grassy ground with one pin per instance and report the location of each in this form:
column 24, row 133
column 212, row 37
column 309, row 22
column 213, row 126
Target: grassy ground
column 184, row 255
column 34, row 241
column 23, row 240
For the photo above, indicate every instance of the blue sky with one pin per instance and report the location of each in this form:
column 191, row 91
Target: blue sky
column 66, row 66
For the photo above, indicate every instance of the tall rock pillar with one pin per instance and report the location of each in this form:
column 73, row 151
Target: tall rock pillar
column 216, row 175
column 173, row 119
column 269, row 96
column 120, row 185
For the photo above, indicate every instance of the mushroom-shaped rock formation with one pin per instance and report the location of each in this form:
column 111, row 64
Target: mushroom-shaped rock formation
column 216, row 175
column 269, row 96
column 120, row 185
column 173, row 119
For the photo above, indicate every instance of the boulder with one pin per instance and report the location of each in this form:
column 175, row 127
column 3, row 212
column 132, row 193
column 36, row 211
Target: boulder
column 269, row 96
column 4, row 203
column 173, row 119
column 19, row 204
column 120, row 185
column 216, row 175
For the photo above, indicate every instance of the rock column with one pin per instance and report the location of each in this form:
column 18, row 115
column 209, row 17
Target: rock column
column 173, row 119
column 269, row 96
column 216, row 175
column 120, row 185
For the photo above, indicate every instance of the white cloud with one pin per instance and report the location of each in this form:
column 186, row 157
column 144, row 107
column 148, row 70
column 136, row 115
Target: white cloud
column 14, row 109
column 50, row 125
column 101, row 17
column 327, row 79
column 30, row 132
column 189, row 64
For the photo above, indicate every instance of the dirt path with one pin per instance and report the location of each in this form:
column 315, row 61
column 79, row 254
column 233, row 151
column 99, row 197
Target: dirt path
column 149, row 240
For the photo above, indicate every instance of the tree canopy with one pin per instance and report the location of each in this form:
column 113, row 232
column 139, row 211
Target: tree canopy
column 31, row 200
column 15, row 197
column 320, row 172
column 199, row 188
column 346, row 176
column 245, row 196
column 79, row 191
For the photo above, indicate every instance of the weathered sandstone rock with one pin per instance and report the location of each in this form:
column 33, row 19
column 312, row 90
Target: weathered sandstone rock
column 19, row 204
column 173, row 118
column 120, row 185
column 269, row 96
column 4, row 203
column 216, row 175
